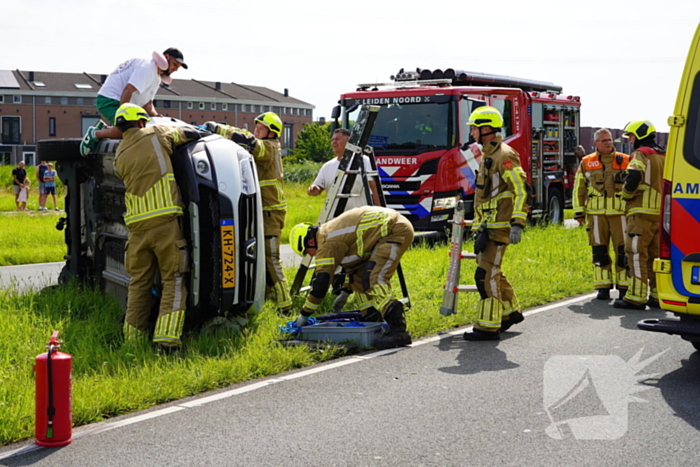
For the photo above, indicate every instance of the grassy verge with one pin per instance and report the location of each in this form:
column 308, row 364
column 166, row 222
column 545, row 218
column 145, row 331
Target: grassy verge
column 551, row 263
column 30, row 238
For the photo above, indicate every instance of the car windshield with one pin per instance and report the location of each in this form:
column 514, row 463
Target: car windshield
column 411, row 126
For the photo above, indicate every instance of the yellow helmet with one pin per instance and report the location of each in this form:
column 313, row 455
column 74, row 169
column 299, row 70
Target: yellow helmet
column 130, row 113
column 639, row 128
column 297, row 236
column 486, row 116
column 272, row 121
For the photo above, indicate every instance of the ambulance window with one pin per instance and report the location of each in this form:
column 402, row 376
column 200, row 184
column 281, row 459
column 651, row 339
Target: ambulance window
column 691, row 145
column 504, row 106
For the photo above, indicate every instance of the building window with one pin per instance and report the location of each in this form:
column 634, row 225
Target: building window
column 166, row 104
column 2, row 99
column 64, row 101
column 80, row 101
column 39, row 84
column 83, row 86
column 252, row 108
column 10, row 130
column 52, row 126
column 47, row 100
column 245, row 125
column 201, row 106
column 213, row 106
column 29, row 158
column 284, row 111
column 16, row 99
column 190, row 105
column 288, row 141
column 224, row 107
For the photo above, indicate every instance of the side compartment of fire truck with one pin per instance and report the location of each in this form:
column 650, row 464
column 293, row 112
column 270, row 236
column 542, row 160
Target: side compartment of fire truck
column 553, row 164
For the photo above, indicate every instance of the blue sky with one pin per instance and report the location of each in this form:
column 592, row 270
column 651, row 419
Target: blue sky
column 624, row 59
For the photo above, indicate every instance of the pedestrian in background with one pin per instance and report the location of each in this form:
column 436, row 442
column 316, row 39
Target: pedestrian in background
column 23, row 196
column 18, row 176
column 50, row 186
column 39, row 174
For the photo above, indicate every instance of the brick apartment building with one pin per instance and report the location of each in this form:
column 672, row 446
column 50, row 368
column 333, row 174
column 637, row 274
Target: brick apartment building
column 41, row 105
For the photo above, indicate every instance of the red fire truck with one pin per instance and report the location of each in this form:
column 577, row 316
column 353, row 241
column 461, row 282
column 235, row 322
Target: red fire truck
column 422, row 143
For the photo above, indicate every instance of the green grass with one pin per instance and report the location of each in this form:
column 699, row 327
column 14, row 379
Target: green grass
column 551, row 263
column 29, row 238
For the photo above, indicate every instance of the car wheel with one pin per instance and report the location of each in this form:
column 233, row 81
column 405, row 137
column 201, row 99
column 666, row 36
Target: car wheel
column 59, row 150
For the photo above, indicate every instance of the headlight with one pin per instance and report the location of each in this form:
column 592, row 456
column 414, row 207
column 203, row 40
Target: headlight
column 202, row 167
column 445, row 203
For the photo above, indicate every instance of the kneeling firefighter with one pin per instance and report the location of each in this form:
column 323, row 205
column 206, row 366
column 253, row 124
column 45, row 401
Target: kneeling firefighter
column 153, row 211
column 368, row 242
column 499, row 218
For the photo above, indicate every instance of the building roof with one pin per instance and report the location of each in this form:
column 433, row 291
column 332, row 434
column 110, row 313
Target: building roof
column 54, row 83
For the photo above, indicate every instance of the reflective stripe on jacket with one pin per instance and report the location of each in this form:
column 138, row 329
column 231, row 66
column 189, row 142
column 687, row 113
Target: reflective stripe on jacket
column 143, row 163
column 501, row 192
column 647, row 197
column 598, row 185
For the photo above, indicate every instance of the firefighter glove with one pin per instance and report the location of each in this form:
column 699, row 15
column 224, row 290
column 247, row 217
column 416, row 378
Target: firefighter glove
column 301, row 321
column 210, row 126
column 341, row 300
column 481, row 238
column 516, row 231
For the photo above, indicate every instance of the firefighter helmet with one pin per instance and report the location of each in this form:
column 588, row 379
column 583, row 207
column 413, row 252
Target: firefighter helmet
column 297, row 236
column 639, row 128
column 130, row 113
column 486, row 116
column 272, row 121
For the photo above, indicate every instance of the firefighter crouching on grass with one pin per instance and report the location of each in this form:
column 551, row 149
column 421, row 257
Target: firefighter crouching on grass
column 597, row 196
column 153, row 211
column 499, row 219
column 265, row 147
column 368, row 242
column 642, row 191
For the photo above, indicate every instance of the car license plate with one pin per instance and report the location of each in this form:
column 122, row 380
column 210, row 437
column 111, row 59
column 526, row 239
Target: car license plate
column 228, row 255
column 695, row 279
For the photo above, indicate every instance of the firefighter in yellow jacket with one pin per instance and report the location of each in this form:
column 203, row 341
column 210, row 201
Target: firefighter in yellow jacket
column 265, row 147
column 642, row 191
column 500, row 205
column 368, row 242
column 597, row 199
column 153, row 211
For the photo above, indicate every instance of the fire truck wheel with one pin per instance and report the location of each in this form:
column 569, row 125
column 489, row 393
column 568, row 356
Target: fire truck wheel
column 59, row 150
column 555, row 205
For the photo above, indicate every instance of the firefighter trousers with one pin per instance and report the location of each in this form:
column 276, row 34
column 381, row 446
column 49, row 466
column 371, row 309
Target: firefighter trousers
column 162, row 247
column 498, row 299
column 601, row 230
column 641, row 247
column 372, row 280
column 277, row 288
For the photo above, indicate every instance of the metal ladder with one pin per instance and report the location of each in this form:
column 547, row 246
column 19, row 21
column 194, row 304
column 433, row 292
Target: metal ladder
column 452, row 287
column 351, row 165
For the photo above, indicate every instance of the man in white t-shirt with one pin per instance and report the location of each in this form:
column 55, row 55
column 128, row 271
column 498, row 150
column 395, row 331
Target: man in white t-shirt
column 328, row 171
column 135, row 81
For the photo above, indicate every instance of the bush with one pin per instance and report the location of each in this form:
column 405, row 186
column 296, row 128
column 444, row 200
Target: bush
column 304, row 171
column 313, row 144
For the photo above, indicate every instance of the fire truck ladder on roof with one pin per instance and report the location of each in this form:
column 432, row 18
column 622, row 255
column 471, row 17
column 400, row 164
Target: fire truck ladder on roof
column 452, row 287
column 351, row 165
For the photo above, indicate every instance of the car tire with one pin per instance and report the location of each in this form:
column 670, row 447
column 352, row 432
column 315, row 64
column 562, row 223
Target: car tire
column 59, row 150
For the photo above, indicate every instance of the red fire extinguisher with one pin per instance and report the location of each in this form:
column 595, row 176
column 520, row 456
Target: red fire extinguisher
column 54, row 416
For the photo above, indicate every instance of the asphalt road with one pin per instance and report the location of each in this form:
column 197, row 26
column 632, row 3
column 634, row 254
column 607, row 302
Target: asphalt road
column 574, row 384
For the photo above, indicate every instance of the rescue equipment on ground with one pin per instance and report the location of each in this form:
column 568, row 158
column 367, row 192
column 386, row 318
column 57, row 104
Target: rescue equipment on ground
column 54, row 416
column 452, row 287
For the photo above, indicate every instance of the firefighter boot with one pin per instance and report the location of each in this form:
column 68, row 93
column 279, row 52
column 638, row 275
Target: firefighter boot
column 629, row 305
column 514, row 318
column 371, row 315
column 621, row 293
column 603, row 294
column 479, row 335
column 395, row 335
